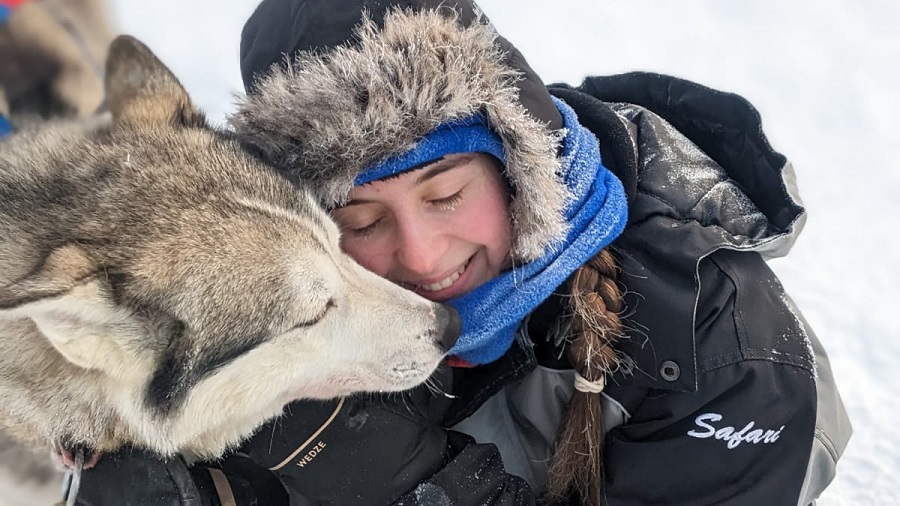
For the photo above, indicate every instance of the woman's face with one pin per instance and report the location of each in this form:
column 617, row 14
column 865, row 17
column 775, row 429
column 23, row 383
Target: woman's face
column 441, row 230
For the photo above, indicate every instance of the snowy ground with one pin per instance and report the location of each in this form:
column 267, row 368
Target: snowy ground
column 824, row 76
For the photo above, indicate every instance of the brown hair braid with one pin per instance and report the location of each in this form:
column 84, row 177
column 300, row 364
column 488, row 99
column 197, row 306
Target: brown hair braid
column 596, row 302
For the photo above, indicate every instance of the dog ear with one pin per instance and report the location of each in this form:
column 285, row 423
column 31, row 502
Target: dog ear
column 67, row 300
column 141, row 90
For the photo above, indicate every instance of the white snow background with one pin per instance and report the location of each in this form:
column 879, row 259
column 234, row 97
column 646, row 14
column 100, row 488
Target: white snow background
column 824, row 76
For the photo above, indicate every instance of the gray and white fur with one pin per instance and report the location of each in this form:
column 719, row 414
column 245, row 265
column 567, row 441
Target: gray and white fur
column 161, row 288
column 326, row 116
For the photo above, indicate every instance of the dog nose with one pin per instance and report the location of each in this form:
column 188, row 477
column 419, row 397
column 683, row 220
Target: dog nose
column 448, row 319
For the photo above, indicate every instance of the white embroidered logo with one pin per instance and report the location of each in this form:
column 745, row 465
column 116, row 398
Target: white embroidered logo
column 729, row 434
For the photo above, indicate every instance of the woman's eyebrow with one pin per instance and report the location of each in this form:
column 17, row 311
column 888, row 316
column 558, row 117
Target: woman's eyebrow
column 429, row 170
column 441, row 166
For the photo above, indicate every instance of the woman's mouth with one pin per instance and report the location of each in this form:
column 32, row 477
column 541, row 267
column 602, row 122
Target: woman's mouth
column 444, row 283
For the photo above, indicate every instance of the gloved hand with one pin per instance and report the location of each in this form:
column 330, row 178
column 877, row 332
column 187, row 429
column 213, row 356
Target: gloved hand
column 137, row 478
column 366, row 449
column 133, row 477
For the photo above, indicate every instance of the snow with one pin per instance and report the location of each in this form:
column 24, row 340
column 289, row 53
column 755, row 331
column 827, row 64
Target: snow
column 824, row 76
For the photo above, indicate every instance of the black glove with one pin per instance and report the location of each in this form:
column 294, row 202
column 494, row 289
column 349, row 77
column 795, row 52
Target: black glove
column 132, row 477
column 137, row 478
column 366, row 449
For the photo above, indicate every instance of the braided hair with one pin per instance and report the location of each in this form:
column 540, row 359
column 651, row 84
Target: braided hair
column 596, row 303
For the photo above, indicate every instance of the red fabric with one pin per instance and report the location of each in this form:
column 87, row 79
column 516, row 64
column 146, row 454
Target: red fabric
column 454, row 361
column 12, row 3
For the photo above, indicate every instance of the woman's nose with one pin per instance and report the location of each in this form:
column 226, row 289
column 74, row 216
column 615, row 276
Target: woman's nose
column 419, row 250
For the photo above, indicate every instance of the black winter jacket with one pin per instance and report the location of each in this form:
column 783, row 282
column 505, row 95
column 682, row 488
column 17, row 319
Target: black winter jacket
column 728, row 397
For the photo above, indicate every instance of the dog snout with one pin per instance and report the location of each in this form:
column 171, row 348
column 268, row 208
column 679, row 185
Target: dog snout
column 450, row 324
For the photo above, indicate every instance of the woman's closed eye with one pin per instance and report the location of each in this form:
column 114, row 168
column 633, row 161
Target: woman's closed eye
column 448, row 203
column 363, row 231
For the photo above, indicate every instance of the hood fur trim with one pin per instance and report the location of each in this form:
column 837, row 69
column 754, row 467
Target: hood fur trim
column 325, row 117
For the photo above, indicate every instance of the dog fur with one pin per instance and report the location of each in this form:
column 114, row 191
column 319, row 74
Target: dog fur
column 161, row 288
column 51, row 57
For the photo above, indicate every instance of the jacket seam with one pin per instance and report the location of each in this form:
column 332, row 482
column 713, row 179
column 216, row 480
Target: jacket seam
column 754, row 356
column 826, row 441
column 760, row 359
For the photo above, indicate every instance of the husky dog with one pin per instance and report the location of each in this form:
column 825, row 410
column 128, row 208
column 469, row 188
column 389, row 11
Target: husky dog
column 160, row 287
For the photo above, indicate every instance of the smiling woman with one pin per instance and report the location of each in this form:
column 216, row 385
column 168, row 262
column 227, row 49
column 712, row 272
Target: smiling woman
column 441, row 230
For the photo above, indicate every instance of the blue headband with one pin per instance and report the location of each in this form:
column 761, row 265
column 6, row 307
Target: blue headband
column 469, row 135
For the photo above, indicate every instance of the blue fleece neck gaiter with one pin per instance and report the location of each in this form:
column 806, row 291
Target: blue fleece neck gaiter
column 596, row 213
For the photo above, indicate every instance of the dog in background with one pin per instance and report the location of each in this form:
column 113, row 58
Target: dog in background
column 51, row 62
column 51, row 59
column 160, row 287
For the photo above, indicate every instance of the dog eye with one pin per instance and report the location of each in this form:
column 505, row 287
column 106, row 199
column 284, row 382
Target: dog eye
column 328, row 305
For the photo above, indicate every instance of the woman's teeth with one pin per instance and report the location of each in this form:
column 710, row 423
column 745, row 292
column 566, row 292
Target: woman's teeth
column 444, row 283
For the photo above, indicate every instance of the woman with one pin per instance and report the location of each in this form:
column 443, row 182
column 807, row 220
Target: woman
column 623, row 340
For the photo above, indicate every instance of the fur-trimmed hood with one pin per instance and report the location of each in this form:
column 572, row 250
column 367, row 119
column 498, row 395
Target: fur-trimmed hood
column 325, row 116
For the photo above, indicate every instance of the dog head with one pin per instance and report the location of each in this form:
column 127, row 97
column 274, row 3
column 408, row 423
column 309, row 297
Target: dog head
column 171, row 291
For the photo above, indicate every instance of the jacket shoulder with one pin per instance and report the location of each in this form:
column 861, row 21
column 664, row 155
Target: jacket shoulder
column 740, row 297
